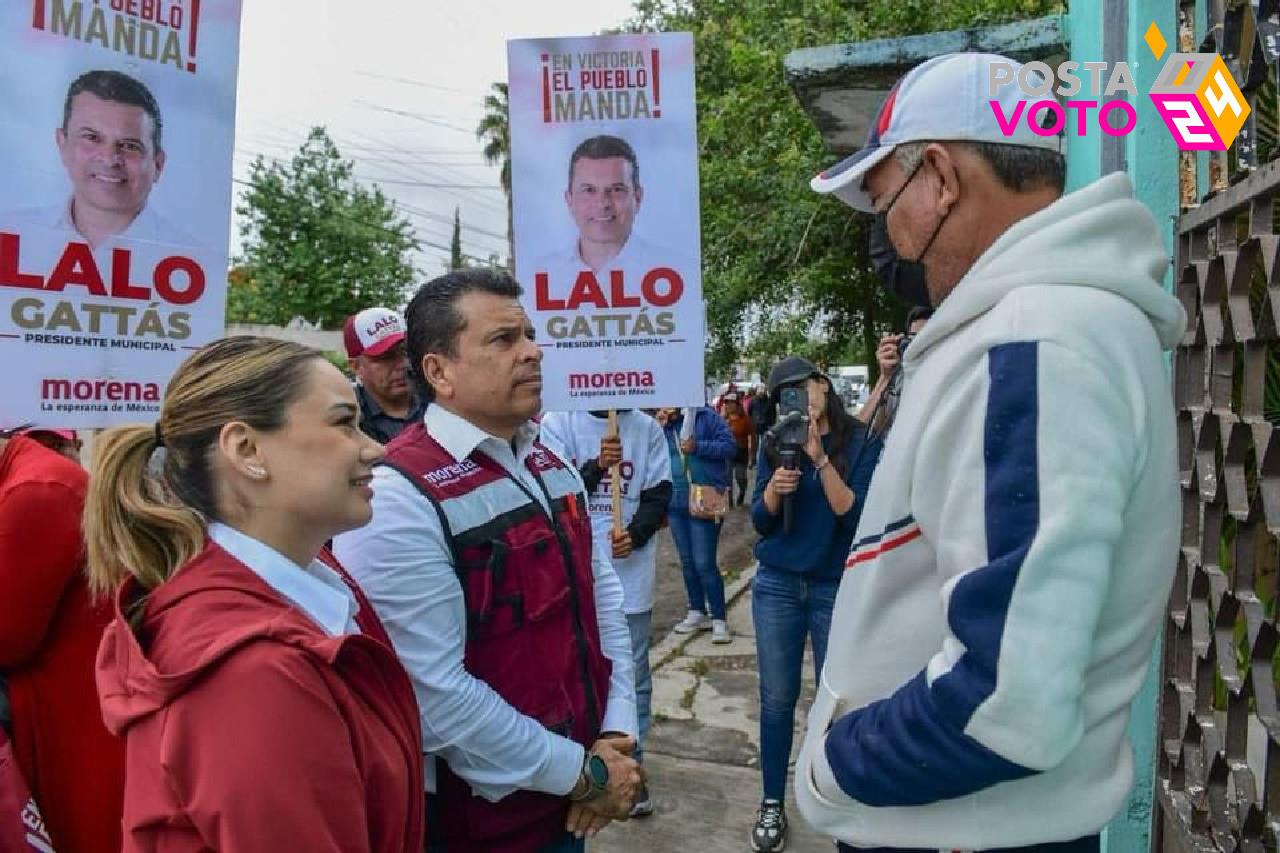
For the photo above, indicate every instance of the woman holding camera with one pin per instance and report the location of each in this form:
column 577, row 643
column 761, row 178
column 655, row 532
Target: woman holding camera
column 822, row 465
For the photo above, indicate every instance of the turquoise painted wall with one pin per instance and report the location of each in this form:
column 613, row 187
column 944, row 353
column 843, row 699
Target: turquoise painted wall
column 1084, row 34
column 1152, row 162
column 1151, row 159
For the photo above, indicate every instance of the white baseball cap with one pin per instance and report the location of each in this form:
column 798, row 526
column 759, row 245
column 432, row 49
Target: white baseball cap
column 946, row 99
column 372, row 332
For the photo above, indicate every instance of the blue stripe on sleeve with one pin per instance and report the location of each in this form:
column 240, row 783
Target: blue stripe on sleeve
column 911, row 749
column 901, row 751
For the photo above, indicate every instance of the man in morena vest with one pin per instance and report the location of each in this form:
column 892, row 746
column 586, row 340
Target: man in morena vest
column 480, row 561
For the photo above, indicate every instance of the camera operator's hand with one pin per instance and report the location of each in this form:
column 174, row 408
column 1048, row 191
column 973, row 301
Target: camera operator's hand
column 887, row 354
column 813, row 441
column 610, row 452
column 784, row 481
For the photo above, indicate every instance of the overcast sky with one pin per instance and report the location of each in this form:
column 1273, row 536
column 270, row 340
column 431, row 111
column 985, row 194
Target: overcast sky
column 400, row 85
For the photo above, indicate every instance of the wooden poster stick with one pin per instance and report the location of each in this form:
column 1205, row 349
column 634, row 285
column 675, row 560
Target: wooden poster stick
column 615, row 476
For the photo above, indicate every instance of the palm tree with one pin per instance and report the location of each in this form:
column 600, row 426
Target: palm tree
column 494, row 131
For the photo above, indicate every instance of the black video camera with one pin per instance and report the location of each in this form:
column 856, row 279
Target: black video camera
column 789, row 434
column 792, row 427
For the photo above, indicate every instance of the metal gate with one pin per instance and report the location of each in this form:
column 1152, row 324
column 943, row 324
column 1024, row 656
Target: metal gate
column 1218, row 779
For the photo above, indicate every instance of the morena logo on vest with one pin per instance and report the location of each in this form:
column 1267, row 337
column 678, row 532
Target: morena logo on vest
column 451, row 473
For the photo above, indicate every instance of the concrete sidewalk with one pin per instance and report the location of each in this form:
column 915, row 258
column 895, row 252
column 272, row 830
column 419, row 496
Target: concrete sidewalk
column 703, row 750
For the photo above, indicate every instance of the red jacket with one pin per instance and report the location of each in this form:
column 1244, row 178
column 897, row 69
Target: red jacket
column 248, row 728
column 49, row 631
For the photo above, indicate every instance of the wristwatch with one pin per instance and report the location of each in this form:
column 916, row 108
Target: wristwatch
column 592, row 780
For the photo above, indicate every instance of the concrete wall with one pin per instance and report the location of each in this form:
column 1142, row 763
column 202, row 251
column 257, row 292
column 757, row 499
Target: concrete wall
column 318, row 338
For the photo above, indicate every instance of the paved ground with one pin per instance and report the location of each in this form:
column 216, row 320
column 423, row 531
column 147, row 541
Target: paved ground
column 703, row 750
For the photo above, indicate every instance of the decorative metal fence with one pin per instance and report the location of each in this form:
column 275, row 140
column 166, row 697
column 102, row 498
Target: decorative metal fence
column 1218, row 780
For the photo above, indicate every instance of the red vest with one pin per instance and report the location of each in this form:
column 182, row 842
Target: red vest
column 532, row 634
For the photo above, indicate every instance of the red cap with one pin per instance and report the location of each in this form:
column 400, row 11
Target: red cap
column 372, row 332
column 67, row 434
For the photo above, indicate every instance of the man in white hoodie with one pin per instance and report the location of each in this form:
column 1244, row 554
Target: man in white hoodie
column 998, row 609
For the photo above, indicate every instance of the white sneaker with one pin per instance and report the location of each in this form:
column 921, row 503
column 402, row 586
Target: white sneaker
column 720, row 632
column 695, row 621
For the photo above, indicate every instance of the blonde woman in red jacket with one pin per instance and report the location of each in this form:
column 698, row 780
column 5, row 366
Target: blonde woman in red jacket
column 260, row 703
column 49, row 632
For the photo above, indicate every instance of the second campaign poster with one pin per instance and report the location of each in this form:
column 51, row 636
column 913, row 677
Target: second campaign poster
column 605, row 198
column 116, row 202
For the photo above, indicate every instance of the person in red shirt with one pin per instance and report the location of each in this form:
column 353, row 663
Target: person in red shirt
column 744, row 435
column 259, row 700
column 64, row 441
column 49, row 632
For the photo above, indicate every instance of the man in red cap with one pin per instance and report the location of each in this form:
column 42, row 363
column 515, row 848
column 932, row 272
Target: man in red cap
column 374, row 339
column 62, row 441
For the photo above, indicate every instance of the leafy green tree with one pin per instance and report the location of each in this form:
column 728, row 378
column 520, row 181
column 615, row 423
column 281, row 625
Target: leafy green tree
column 317, row 244
column 494, row 131
column 784, row 269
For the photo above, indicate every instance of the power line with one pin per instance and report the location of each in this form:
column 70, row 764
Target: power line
column 431, row 152
column 374, row 179
column 448, row 220
column 376, row 227
column 439, row 231
column 419, row 83
column 414, row 173
column 417, row 162
column 418, row 172
column 437, row 185
column 416, row 117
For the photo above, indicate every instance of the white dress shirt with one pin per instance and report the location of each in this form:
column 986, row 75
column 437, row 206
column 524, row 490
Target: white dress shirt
column 316, row 589
column 402, row 562
column 636, row 257
column 149, row 228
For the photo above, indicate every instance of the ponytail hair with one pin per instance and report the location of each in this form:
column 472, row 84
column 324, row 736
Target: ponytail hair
column 134, row 523
column 153, row 490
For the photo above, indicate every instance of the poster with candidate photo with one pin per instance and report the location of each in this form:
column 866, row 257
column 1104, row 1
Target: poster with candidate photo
column 115, row 209
column 604, row 174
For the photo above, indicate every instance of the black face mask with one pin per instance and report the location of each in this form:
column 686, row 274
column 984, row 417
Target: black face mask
column 904, row 278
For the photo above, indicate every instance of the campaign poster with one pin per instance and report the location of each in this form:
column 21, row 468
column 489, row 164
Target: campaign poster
column 115, row 208
column 604, row 175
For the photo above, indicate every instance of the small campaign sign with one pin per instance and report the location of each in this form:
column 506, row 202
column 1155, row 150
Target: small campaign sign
column 605, row 198
column 115, row 210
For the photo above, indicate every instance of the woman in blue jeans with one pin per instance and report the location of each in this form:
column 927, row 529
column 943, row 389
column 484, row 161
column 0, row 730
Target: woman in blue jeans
column 700, row 460
column 795, row 587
